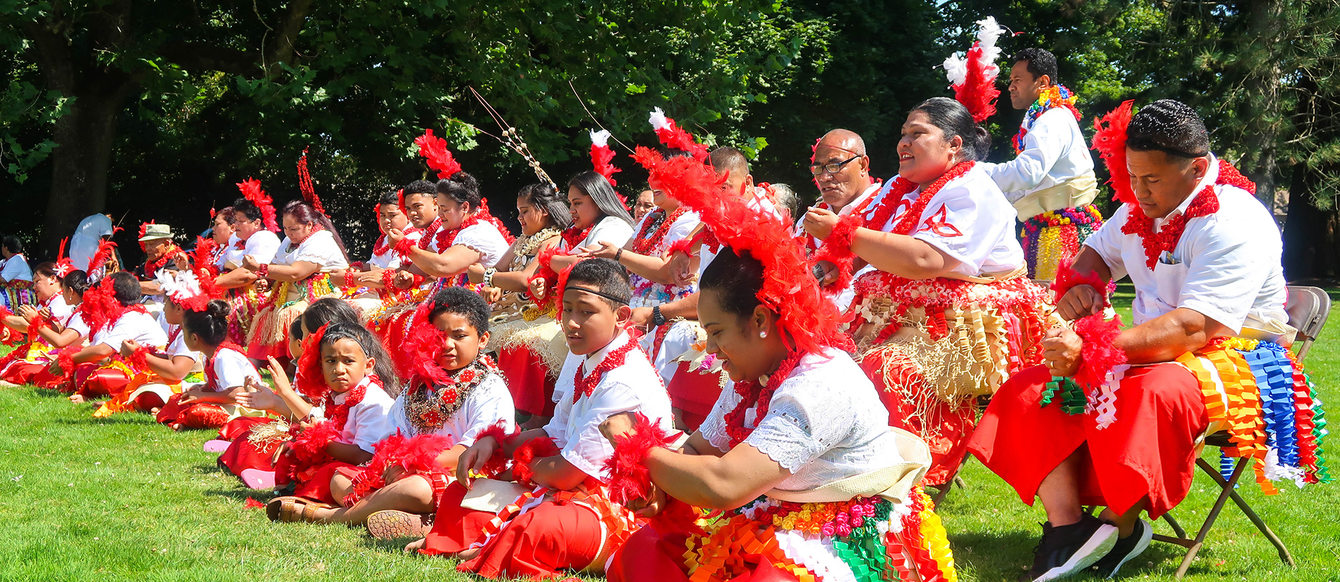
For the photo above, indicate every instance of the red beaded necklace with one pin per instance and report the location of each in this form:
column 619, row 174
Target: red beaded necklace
column 898, row 191
column 446, row 237
column 752, row 393
column 1205, row 203
column 584, row 386
column 429, row 232
column 644, row 244
column 382, row 246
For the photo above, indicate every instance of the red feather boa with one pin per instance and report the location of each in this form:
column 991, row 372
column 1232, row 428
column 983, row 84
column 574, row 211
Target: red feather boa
column 1099, row 352
column 629, row 477
column 310, row 380
column 498, row 463
column 1066, row 278
column 536, row 448
column 434, row 151
column 1109, row 139
column 837, row 250
column 416, row 455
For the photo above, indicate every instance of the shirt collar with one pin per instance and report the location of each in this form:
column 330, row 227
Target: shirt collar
column 339, row 398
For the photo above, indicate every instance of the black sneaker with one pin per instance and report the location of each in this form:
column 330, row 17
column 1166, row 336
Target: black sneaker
column 1125, row 549
column 1066, row 550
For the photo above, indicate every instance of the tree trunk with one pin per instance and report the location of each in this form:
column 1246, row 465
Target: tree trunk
column 1263, row 81
column 84, row 138
column 1310, row 248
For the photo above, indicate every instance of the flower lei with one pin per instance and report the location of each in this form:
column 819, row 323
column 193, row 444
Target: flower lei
column 750, row 393
column 573, row 237
column 837, row 249
column 585, row 385
column 446, row 237
column 528, row 244
column 1205, row 203
column 429, row 406
column 150, row 268
column 429, row 232
column 1055, row 96
column 382, row 246
column 644, row 244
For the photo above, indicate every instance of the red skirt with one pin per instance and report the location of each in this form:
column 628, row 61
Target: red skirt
column 540, row 543
column 914, row 407
column 242, row 454
column 528, row 380
column 92, row 381
column 194, row 415
column 694, row 394
column 455, row 528
column 1149, row 451
column 20, row 372
column 318, row 485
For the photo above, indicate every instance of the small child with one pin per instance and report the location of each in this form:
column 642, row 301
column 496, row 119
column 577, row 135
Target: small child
column 567, row 521
column 343, row 367
column 30, row 364
column 227, row 370
column 454, row 393
column 159, row 375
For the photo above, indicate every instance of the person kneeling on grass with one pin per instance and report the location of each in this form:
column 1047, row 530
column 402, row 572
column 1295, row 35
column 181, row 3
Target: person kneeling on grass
column 343, row 367
column 114, row 315
column 561, row 516
column 455, row 393
column 1133, row 405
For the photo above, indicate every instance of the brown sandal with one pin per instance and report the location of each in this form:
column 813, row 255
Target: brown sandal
column 390, row 524
column 274, row 509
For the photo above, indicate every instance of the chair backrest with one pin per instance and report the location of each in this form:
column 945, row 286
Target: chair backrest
column 1308, row 308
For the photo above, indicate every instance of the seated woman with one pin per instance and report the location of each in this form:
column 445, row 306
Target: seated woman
column 250, row 238
column 530, row 344
column 946, row 315
column 16, row 276
column 49, row 327
column 1207, row 352
column 797, row 453
column 221, row 232
column 310, row 252
column 371, row 280
column 597, row 217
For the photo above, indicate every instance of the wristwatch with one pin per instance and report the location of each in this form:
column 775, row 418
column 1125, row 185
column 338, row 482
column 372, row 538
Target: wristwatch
column 656, row 318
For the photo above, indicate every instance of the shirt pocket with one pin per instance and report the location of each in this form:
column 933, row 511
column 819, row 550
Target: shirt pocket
column 1169, row 280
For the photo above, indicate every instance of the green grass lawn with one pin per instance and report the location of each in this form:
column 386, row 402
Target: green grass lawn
column 126, row 498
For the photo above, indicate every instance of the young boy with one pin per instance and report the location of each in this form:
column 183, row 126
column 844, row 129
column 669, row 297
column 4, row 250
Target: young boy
column 566, row 521
column 455, row 393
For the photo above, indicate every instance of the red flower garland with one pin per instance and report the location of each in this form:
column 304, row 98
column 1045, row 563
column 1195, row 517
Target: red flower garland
column 1205, row 203
column 573, row 237
column 585, row 385
column 152, row 268
column 644, row 244
column 428, row 233
column 752, row 393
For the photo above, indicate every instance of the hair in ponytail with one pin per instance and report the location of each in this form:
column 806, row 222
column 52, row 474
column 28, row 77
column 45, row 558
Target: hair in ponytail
column 954, row 120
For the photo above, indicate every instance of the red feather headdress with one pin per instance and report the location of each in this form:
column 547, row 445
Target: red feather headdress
column 251, row 190
column 305, row 184
column 974, row 78
column 602, row 155
column 310, row 381
column 1109, row 139
column 63, row 264
column 202, row 257
column 434, row 151
column 106, row 249
column 804, row 314
column 673, row 136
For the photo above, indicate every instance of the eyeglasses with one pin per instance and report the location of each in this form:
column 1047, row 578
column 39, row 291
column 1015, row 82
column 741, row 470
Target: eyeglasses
column 833, row 168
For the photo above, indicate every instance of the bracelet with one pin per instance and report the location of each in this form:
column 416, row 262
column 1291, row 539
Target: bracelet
column 350, row 281
column 263, row 270
column 617, row 254
column 488, row 276
column 657, row 319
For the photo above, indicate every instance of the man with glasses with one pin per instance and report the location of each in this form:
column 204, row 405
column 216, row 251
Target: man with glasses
column 841, row 171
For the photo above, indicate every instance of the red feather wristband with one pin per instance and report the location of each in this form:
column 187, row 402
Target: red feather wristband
column 536, row 448
column 629, row 477
column 837, row 250
column 1067, row 278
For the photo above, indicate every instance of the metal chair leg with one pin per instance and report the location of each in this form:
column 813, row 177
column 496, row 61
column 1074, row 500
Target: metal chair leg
column 1265, row 529
column 1224, row 495
column 1176, row 527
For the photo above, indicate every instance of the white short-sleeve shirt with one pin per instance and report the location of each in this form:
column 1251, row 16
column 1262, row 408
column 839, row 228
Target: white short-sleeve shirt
column 16, row 269
column 77, row 323
column 132, row 325
column 824, row 423
column 59, row 309
column 484, row 238
column 486, row 405
column 389, row 259
column 231, row 369
column 1226, row 266
column 177, row 346
column 262, row 245
column 632, row 387
column 1055, row 152
column 610, row 229
column 369, row 421
column 647, row 293
column 969, row 220
column 319, row 248
column 232, row 254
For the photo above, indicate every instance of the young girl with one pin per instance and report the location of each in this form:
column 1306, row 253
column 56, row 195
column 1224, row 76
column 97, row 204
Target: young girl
column 565, row 518
column 530, row 343
column 114, row 315
column 227, row 370
column 342, row 367
column 455, row 394
column 29, row 364
column 157, row 376
column 254, row 440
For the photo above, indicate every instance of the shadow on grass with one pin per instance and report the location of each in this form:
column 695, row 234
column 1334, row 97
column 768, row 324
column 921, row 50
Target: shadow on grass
column 240, row 494
column 114, row 419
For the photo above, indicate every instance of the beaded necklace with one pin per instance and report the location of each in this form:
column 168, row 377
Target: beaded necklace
column 898, row 191
column 428, row 407
column 661, row 224
column 1205, row 203
column 527, row 246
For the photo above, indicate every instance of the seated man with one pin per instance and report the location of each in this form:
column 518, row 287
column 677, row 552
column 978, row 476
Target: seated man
column 1204, row 257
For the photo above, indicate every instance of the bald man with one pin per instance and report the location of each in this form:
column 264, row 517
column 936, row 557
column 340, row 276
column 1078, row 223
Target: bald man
column 841, row 171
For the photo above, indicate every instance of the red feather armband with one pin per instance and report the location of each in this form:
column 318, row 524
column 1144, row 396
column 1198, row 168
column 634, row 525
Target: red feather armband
column 1067, row 278
column 405, row 248
column 139, row 359
column 837, row 250
column 536, row 448
column 683, row 245
column 498, row 462
column 38, row 323
column 65, row 358
column 629, row 477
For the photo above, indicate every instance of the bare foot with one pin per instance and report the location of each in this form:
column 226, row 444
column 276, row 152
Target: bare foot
column 414, row 546
column 468, row 555
column 77, row 398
